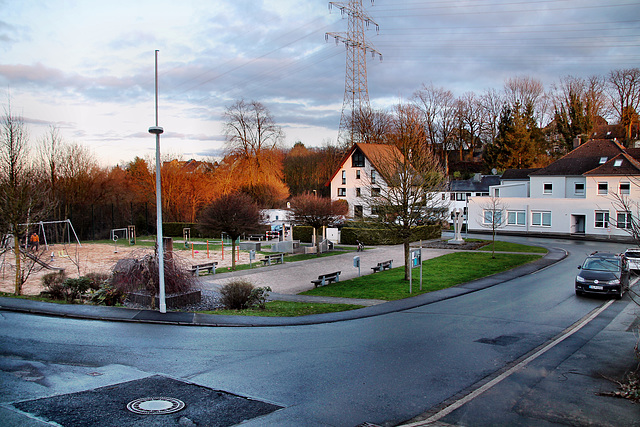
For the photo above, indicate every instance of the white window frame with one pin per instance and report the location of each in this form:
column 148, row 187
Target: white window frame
column 626, row 190
column 373, row 176
column 342, row 192
column 603, row 222
column 547, row 188
column 488, row 214
column 344, row 177
column 627, row 221
column 541, row 218
column 516, row 218
column 603, row 191
column 578, row 191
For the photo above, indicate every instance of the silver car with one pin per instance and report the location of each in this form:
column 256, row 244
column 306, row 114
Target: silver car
column 633, row 258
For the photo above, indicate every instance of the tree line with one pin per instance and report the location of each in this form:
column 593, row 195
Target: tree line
column 522, row 125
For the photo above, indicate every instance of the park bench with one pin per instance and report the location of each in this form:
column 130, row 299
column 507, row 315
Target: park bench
column 385, row 265
column 268, row 259
column 207, row 267
column 324, row 279
column 256, row 236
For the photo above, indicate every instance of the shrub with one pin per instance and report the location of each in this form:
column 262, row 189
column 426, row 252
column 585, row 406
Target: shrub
column 108, row 295
column 236, row 294
column 258, row 297
column 98, row 280
column 141, row 274
column 76, row 288
column 241, row 294
column 52, row 283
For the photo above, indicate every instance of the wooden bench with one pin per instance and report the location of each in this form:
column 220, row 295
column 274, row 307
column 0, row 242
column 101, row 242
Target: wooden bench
column 385, row 265
column 277, row 258
column 324, row 279
column 207, row 267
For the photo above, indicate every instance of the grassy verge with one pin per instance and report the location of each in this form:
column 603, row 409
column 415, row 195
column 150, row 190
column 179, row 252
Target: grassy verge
column 438, row 273
column 32, row 298
column 509, row 247
column 288, row 309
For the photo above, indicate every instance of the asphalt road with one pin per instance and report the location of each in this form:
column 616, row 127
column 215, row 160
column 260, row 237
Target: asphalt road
column 384, row 370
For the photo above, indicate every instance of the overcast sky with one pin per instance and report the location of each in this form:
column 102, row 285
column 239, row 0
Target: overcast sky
column 87, row 66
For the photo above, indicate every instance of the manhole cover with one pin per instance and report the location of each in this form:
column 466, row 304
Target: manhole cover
column 155, row 405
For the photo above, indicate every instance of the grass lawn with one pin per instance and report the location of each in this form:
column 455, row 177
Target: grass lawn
column 438, row 273
column 288, row 309
column 509, row 247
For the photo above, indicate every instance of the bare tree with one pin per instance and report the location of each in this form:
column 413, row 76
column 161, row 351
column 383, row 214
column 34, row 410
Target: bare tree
column 22, row 200
column 370, row 125
column 412, row 178
column 317, row 212
column 470, row 116
column 624, row 91
column 438, row 109
column 491, row 104
column 233, row 214
column 494, row 217
column 527, row 91
column 250, row 129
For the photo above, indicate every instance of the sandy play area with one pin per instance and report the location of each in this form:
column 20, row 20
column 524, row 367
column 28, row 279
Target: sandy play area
column 99, row 258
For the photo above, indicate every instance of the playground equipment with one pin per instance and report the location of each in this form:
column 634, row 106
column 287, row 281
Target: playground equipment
column 53, row 230
column 186, row 235
column 128, row 233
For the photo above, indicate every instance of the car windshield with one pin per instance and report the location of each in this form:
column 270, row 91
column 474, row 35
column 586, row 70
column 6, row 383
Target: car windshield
column 632, row 254
column 601, row 264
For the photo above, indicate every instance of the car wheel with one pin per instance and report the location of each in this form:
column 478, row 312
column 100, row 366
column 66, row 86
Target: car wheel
column 619, row 294
column 578, row 293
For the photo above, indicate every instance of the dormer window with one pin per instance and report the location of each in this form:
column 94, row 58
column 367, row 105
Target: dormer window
column 617, row 163
column 603, row 160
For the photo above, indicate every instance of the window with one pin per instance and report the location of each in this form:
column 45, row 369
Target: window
column 624, row 220
column 342, row 192
column 490, row 216
column 548, row 188
column 375, row 191
column 358, row 192
column 344, row 177
column 541, row 218
column 373, row 176
column 482, row 194
column 579, row 189
column 625, row 188
column 603, row 160
column 515, row 217
column 358, row 174
column 617, row 163
column 461, row 197
column 357, row 160
column 453, row 196
column 357, row 211
column 603, row 187
column 496, row 192
column 602, row 219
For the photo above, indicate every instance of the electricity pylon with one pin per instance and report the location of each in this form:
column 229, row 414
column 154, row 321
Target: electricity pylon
column 356, row 93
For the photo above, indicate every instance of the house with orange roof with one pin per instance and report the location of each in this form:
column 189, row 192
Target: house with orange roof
column 577, row 195
column 356, row 180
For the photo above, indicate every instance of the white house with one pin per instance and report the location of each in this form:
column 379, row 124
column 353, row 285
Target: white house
column 575, row 195
column 461, row 190
column 356, row 180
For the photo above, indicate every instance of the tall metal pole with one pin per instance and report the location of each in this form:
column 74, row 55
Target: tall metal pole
column 157, row 130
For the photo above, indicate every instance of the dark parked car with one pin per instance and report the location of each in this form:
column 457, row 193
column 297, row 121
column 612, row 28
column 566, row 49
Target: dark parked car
column 603, row 273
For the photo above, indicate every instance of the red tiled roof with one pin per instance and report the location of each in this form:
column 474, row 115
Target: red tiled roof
column 583, row 159
column 373, row 152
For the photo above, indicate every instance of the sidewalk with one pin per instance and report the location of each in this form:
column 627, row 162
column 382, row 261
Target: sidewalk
column 286, row 280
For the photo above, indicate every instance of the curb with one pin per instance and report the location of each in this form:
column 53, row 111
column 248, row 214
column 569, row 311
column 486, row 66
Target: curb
column 120, row 314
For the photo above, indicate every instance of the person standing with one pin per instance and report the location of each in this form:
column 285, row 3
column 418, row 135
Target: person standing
column 34, row 241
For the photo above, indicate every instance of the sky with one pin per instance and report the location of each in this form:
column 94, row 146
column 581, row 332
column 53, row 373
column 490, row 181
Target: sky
column 87, row 66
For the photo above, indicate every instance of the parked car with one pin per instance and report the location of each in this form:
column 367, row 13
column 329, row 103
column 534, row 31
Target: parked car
column 603, row 273
column 633, row 258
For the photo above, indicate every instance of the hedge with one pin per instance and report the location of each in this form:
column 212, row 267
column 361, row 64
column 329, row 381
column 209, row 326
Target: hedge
column 302, row 233
column 370, row 236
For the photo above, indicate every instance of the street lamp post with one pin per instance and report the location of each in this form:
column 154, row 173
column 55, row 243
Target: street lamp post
column 157, row 130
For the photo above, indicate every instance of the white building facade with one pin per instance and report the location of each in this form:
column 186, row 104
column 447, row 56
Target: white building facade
column 578, row 195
